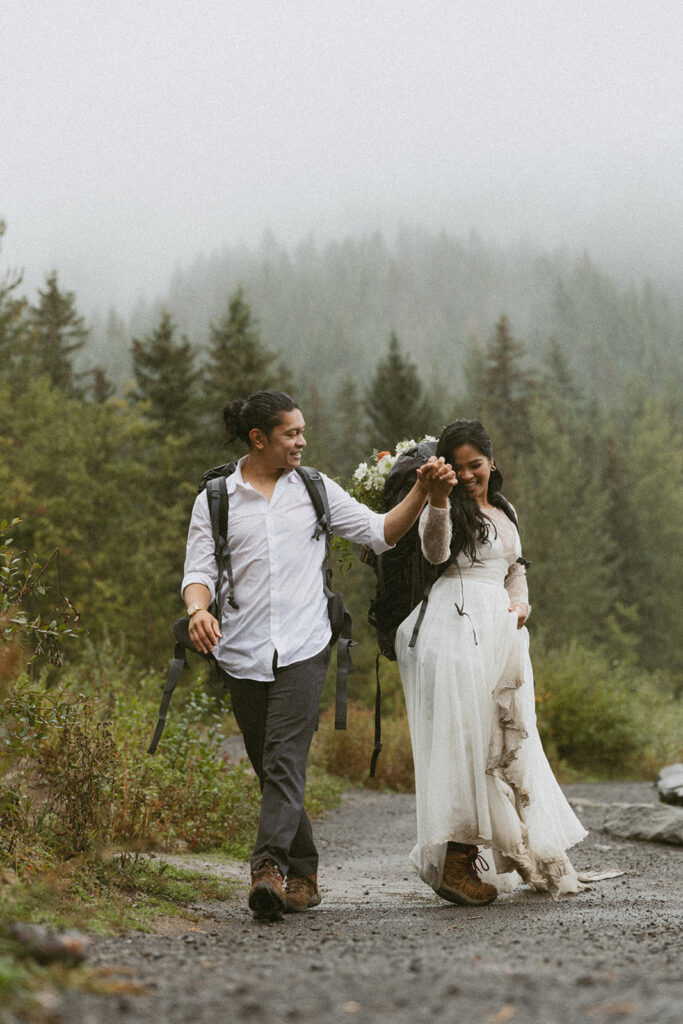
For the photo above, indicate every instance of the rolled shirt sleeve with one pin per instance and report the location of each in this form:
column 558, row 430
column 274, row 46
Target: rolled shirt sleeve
column 354, row 521
column 200, row 556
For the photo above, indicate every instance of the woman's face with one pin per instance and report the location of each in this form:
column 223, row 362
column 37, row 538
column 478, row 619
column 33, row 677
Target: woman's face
column 473, row 469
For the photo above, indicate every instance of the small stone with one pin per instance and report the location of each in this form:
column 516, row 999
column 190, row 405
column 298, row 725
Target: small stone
column 47, row 946
column 670, row 784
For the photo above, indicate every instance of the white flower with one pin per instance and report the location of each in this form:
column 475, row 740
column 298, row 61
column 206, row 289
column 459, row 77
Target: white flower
column 369, row 480
column 403, row 446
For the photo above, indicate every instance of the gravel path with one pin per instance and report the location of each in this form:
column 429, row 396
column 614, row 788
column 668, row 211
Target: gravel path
column 382, row 948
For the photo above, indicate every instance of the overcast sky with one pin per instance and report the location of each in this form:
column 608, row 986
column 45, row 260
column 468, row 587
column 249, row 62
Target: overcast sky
column 136, row 134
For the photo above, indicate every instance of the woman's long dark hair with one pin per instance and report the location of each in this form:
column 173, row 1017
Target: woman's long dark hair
column 263, row 410
column 470, row 525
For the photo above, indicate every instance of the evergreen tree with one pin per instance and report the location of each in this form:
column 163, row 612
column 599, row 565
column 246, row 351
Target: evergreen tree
column 394, row 401
column 58, row 332
column 653, row 566
column 506, row 388
column 562, row 509
column 101, row 388
column 557, row 377
column 318, row 447
column 474, row 371
column 165, row 377
column 238, row 363
column 347, row 444
column 12, row 320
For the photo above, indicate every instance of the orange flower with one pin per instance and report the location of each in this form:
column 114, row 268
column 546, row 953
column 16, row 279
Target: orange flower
column 382, row 454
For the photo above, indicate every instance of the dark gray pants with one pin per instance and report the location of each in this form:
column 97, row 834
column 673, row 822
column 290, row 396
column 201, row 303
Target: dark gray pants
column 278, row 720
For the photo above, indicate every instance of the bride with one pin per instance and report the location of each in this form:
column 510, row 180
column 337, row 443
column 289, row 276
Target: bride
column 481, row 776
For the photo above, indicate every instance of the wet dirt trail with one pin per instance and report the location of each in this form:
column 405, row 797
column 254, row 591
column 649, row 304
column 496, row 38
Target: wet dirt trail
column 382, row 947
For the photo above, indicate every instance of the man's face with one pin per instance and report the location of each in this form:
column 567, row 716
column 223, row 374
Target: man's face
column 285, row 444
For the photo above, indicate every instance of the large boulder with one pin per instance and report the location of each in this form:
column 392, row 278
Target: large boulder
column 652, row 822
column 670, row 784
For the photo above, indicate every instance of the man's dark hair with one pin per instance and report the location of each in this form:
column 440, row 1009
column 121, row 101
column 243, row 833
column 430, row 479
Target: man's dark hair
column 262, row 410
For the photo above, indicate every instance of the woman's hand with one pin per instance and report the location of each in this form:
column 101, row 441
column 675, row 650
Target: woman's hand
column 521, row 609
column 438, row 479
column 204, row 631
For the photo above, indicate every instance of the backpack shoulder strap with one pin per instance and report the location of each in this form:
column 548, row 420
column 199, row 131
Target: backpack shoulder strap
column 340, row 617
column 318, row 495
column 217, row 497
column 219, row 507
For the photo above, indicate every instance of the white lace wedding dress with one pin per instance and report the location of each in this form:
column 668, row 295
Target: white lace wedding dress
column 481, row 775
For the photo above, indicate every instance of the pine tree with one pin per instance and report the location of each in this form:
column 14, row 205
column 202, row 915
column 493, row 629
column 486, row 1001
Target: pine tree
column 165, row 377
column 506, row 388
column 347, row 444
column 654, row 537
column 58, row 332
column 394, row 400
column 237, row 362
column 562, row 508
column 12, row 320
column 101, row 388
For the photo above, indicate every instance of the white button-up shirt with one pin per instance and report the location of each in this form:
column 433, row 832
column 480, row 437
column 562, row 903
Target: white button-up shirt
column 277, row 569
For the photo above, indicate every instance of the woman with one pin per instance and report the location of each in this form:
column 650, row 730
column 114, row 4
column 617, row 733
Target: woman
column 481, row 776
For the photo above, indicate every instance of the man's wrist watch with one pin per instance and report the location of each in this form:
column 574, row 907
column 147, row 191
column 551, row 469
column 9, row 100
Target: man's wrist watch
column 194, row 608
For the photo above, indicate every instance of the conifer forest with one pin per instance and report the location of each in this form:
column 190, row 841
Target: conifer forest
column 107, row 425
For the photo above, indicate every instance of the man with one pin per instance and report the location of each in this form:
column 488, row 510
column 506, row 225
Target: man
column 274, row 648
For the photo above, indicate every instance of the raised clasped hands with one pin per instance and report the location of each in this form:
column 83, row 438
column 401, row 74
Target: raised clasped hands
column 438, row 479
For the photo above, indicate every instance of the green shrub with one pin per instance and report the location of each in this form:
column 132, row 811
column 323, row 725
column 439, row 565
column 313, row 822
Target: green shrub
column 603, row 718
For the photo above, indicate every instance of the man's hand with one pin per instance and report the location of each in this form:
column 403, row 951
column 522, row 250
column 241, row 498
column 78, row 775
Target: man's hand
column 438, row 479
column 204, row 631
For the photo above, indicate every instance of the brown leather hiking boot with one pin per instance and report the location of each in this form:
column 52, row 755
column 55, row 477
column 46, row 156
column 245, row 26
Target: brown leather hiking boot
column 301, row 893
column 267, row 893
column 461, row 882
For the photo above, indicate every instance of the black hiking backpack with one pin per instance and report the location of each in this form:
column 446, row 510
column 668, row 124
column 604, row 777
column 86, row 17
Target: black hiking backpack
column 214, row 482
column 403, row 573
column 404, row 576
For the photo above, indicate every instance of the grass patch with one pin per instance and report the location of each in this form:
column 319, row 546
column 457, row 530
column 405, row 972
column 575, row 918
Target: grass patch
column 104, row 896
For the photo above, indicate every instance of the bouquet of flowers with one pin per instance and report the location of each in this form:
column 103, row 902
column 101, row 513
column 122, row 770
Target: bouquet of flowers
column 367, row 482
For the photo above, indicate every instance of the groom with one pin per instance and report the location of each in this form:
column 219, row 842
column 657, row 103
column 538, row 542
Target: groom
column 274, row 648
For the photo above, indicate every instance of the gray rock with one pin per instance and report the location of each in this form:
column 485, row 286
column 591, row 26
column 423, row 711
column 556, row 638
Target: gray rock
column 670, row 784
column 651, row 822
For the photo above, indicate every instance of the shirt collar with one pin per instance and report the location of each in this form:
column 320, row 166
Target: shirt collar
column 237, row 480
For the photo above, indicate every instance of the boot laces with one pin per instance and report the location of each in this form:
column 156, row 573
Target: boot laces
column 477, row 863
column 298, row 884
column 267, row 870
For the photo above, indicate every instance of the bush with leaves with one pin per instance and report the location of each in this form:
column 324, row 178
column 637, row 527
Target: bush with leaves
column 29, row 627
column 602, row 718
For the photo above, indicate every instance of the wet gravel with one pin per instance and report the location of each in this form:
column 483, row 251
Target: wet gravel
column 383, row 948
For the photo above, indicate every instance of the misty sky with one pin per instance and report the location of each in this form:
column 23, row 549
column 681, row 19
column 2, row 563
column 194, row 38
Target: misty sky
column 136, row 134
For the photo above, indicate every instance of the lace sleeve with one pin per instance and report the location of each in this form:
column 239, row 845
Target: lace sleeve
column 516, row 585
column 435, row 533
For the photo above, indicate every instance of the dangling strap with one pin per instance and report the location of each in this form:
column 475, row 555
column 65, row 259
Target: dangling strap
column 378, row 722
column 344, row 669
column 340, row 617
column 421, row 613
column 177, row 665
